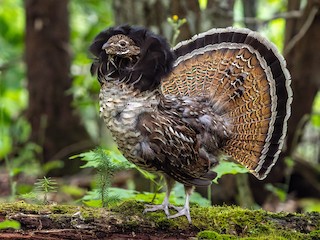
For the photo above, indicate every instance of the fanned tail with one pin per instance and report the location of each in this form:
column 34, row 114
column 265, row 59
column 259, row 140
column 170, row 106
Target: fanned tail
column 246, row 76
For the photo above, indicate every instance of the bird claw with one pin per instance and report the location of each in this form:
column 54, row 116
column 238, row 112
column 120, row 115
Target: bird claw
column 183, row 211
column 175, row 207
column 165, row 205
column 153, row 208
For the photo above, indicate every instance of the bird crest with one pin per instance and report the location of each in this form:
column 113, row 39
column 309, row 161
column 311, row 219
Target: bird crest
column 134, row 55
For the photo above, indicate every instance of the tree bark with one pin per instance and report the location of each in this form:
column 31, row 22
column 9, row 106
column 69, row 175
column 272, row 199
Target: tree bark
column 150, row 14
column 250, row 12
column 303, row 65
column 55, row 126
column 154, row 14
column 301, row 51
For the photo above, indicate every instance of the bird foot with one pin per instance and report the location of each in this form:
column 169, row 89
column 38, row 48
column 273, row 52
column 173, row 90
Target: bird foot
column 182, row 211
column 164, row 207
column 153, row 208
column 176, row 208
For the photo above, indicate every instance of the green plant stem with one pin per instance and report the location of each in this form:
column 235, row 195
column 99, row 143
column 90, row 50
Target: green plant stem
column 11, row 182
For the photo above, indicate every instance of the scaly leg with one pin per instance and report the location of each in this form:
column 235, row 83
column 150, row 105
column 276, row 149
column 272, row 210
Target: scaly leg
column 185, row 210
column 165, row 204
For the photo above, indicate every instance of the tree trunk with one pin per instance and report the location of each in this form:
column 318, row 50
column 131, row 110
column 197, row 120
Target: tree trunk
column 303, row 65
column 150, row 14
column 302, row 53
column 55, row 126
column 250, row 12
column 154, row 14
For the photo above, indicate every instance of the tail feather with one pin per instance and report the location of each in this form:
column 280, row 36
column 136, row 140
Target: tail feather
column 245, row 76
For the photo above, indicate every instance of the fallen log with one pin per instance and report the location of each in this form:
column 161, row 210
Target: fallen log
column 126, row 221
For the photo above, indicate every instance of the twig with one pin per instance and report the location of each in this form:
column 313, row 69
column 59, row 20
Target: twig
column 261, row 22
column 302, row 31
column 65, row 152
column 9, row 64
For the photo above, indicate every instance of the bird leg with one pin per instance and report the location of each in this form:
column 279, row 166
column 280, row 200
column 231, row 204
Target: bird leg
column 165, row 204
column 185, row 210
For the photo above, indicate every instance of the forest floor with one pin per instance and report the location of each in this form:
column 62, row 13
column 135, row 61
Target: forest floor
column 126, row 221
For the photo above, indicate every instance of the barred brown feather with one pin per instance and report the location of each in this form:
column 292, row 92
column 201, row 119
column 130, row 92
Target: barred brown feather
column 245, row 75
column 174, row 112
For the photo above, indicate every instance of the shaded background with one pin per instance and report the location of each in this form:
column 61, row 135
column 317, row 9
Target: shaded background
column 49, row 104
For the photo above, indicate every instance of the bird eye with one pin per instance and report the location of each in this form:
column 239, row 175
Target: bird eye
column 122, row 43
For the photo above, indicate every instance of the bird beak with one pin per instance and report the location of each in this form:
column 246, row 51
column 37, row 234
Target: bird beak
column 105, row 46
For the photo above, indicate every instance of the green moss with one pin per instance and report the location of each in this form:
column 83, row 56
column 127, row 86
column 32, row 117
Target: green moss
column 20, row 206
column 226, row 221
column 90, row 213
column 223, row 222
column 158, row 218
column 55, row 211
column 214, row 235
column 129, row 207
column 257, row 224
column 269, row 237
column 60, row 209
column 315, row 235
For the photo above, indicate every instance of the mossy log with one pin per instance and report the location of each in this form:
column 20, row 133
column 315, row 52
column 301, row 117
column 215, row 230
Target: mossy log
column 126, row 221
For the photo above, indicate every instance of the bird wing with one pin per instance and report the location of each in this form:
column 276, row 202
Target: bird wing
column 172, row 147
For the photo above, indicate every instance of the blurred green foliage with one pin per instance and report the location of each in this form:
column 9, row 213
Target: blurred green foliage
column 42, row 188
column 107, row 163
column 315, row 118
column 13, row 95
column 269, row 26
column 87, row 18
column 227, row 167
column 309, row 131
column 10, row 224
column 17, row 153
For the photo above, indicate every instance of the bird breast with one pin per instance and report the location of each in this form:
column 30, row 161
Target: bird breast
column 120, row 106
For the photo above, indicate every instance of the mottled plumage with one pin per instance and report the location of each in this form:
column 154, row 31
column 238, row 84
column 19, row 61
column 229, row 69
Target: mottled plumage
column 174, row 111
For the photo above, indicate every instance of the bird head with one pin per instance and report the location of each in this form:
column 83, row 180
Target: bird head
column 122, row 46
column 133, row 55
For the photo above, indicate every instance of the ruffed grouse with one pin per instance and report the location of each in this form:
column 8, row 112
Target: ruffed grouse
column 173, row 111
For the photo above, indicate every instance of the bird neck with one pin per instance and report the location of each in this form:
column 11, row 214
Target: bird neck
column 117, row 98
